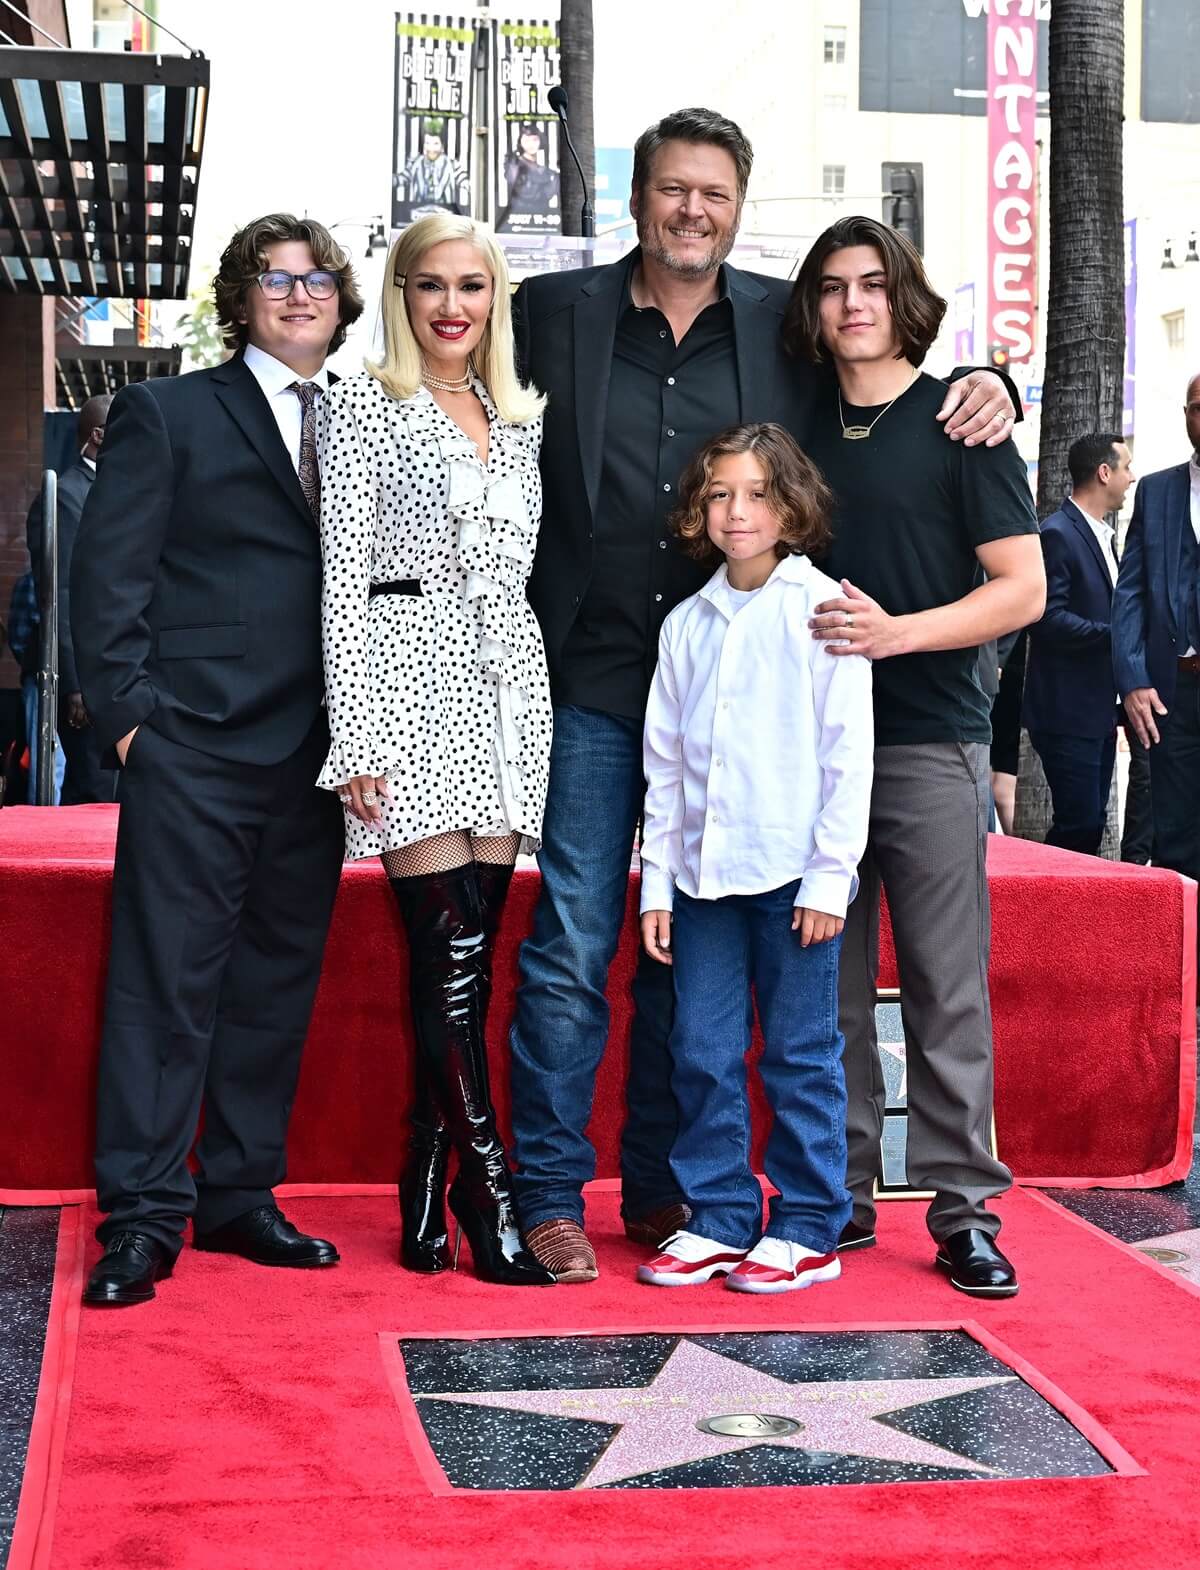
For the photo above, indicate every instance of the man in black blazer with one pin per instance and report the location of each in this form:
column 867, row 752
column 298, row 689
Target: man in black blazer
column 1156, row 644
column 85, row 778
column 1070, row 706
column 643, row 361
column 196, row 614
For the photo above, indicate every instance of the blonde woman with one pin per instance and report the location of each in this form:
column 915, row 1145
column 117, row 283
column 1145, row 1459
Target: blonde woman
column 439, row 702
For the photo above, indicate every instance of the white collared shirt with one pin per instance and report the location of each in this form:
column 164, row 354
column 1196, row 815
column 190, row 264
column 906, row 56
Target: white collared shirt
column 1105, row 539
column 1194, row 478
column 91, row 462
column 276, row 379
column 758, row 748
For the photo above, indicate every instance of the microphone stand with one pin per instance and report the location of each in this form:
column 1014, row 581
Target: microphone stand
column 587, row 214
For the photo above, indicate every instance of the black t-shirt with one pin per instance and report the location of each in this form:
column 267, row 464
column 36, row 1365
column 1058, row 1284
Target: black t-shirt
column 911, row 508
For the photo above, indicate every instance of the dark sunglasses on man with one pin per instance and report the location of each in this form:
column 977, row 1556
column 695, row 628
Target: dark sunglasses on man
column 319, row 285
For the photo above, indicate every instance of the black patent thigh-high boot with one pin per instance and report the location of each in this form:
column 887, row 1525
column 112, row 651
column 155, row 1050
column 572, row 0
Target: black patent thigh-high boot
column 450, row 977
column 423, row 1241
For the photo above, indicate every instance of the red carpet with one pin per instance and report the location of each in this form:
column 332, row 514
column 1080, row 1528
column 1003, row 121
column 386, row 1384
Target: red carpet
column 1093, row 989
column 245, row 1421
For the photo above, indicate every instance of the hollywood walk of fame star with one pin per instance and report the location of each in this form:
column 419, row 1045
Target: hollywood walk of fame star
column 658, row 1422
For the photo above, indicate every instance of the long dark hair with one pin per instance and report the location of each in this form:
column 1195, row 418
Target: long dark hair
column 917, row 309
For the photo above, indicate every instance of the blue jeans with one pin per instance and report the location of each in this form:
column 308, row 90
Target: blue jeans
column 721, row 948
column 561, row 1025
column 1079, row 773
column 29, row 698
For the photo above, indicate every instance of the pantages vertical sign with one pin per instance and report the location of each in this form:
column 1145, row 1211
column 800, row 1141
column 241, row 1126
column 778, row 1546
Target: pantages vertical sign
column 1012, row 176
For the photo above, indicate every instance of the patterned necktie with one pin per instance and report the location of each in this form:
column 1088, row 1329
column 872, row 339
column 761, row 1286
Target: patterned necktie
column 310, row 478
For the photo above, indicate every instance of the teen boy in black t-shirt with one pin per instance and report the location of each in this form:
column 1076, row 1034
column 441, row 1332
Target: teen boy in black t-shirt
column 916, row 517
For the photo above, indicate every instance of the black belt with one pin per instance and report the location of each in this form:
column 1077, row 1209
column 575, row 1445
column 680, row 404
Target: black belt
column 399, row 586
column 1190, row 664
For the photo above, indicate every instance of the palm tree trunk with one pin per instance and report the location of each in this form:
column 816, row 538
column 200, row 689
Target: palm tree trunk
column 1085, row 315
column 576, row 61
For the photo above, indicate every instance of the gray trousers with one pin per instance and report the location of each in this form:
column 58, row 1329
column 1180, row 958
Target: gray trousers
column 927, row 847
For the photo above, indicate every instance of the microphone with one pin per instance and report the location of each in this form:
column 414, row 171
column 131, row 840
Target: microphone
column 587, row 218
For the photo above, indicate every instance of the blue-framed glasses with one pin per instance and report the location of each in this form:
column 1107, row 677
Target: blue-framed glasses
column 319, row 284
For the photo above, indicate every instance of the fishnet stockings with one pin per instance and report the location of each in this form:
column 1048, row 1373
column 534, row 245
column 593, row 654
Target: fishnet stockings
column 445, row 852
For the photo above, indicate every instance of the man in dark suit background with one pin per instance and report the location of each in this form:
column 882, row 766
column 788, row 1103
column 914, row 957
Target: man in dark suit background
column 1070, row 703
column 86, row 778
column 196, row 614
column 1156, row 644
column 643, row 360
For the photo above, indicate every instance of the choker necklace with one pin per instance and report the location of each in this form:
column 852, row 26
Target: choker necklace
column 859, row 433
column 440, row 384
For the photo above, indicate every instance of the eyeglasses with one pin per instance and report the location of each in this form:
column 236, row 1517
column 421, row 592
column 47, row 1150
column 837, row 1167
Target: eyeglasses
column 319, row 285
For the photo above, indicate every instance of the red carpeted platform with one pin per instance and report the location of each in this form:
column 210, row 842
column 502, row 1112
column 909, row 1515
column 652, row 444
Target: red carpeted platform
column 247, row 1419
column 1093, row 989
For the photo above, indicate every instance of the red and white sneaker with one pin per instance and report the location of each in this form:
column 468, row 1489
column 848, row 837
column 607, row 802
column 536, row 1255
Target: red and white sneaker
column 774, row 1265
column 687, row 1260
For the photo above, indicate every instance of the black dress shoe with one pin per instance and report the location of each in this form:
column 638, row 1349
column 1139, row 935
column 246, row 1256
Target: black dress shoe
column 266, row 1237
column 854, row 1236
column 975, row 1265
column 127, row 1270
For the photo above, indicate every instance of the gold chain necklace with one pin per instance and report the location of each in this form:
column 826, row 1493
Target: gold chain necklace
column 859, row 433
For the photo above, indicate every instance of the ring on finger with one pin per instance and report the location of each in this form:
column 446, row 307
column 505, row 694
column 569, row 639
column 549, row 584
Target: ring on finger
column 345, row 797
column 849, row 618
column 370, row 798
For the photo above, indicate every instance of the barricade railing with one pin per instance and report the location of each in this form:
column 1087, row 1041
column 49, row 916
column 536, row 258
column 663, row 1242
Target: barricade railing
column 47, row 678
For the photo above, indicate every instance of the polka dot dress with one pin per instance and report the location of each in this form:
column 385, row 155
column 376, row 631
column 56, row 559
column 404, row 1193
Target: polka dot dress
column 446, row 692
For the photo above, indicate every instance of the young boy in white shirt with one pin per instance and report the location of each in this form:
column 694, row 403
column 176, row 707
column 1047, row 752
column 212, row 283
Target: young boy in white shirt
column 758, row 758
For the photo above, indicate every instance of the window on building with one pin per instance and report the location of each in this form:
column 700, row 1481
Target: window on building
column 1173, row 323
column 835, row 100
column 833, row 179
column 835, row 46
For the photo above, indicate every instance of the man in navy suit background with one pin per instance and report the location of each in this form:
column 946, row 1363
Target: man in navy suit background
column 1156, row 645
column 1070, row 703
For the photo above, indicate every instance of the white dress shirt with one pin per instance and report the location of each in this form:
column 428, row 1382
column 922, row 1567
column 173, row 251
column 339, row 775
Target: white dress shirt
column 1194, row 477
column 276, row 379
column 758, row 748
column 1106, row 539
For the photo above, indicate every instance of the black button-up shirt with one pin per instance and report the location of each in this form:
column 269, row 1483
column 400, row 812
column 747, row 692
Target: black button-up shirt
column 665, row 400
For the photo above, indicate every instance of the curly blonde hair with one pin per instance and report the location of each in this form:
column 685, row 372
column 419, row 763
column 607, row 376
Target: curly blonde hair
column 797, row 494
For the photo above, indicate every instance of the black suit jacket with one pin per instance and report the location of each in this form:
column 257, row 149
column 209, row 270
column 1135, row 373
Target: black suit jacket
column 74, row 486
column 196, row 581
column 565, row 326
column 1069, row 685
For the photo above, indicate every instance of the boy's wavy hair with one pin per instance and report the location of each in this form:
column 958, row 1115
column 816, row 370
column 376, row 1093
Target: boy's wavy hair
column 795, row 489
column 246, row 256
column 917, row 309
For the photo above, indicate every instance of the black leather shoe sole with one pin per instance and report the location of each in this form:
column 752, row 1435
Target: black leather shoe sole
column 850, row 1244
column 947, row 1268
column 314, row 1262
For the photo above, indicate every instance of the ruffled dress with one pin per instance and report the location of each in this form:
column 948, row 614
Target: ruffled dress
column 446, row 692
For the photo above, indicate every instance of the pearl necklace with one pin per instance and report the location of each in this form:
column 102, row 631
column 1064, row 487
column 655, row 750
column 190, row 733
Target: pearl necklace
column 440, row 384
